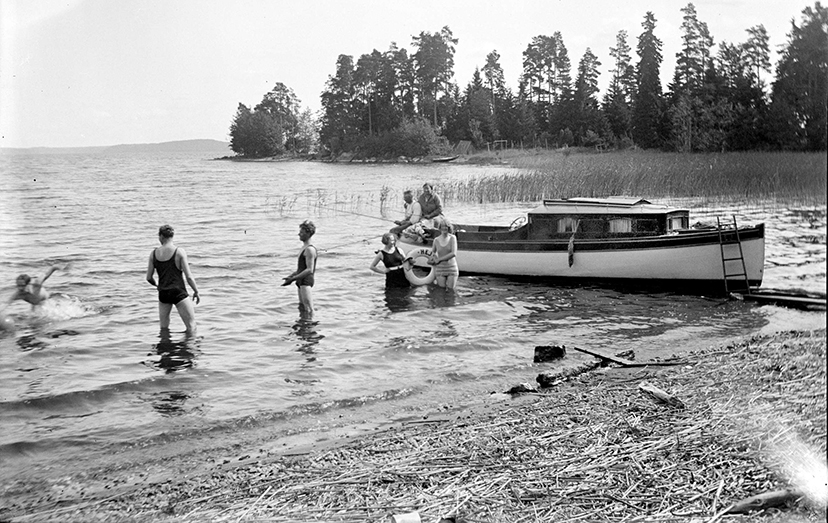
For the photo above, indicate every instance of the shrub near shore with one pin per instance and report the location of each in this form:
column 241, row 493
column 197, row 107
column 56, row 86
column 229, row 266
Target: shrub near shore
column 748, row 177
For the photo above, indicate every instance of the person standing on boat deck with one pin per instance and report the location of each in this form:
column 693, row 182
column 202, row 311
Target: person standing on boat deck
column 431, row 208
column 305, row 269
column 394, row 260
column 172, row 266
column 444, row 256
column 412, row 214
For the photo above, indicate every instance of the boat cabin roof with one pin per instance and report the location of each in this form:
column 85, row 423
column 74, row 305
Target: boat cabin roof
column 614, row 205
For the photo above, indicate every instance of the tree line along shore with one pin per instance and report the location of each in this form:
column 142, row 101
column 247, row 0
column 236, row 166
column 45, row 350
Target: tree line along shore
column 399, row 102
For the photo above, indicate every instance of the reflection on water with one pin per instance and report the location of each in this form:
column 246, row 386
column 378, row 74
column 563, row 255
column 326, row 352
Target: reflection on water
column 29, row 342
column 305, row 329
column 398, row 299
column 447, row 329
column 441, row 296
column 173, row 355
column 170, row 403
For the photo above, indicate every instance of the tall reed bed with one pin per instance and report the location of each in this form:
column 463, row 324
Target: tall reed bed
column 748, row 177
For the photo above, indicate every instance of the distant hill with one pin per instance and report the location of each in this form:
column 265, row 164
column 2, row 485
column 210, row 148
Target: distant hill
column 183, row 146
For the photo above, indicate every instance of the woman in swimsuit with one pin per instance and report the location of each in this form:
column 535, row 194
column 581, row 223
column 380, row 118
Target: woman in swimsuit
column 306, row 267
column 444, row 256
column 171, row 264
column 394, row 260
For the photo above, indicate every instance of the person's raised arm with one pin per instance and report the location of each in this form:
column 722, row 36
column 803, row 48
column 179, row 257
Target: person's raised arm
column 185, row 268
column 51, row 271
column 151, row 270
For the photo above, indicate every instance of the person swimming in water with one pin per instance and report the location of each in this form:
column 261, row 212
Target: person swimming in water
column 171, row 264
column 31, row 289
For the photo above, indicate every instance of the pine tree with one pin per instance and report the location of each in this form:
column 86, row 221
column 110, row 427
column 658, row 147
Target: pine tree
column 588, row 119
column 647, row 104
column 618, row 98
column 800, row 92
column 434, row 66
column 339, row 130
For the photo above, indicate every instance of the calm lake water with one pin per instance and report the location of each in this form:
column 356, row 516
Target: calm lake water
column 90, row 372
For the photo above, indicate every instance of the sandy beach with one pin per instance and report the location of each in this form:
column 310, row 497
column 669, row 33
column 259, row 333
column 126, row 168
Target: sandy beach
column 750, row 418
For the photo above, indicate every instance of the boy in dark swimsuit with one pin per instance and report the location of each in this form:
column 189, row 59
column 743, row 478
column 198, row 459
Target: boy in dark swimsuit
column 306, row 267
column 171, row 264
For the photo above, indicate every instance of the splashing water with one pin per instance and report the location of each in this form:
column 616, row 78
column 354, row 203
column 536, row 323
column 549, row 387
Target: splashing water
column 60, row 308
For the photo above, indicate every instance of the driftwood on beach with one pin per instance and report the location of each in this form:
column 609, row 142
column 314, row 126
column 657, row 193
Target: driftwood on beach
column 659, row 396
column 764, row 501
column 625, row 362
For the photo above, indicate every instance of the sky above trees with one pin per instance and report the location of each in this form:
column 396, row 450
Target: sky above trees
column 97, row 72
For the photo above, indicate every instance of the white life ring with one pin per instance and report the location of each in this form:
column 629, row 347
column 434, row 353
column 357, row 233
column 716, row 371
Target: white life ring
column 414, row 254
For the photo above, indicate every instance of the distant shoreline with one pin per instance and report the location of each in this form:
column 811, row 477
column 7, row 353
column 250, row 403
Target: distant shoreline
column 197, row 145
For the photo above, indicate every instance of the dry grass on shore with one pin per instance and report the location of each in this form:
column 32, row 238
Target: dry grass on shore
column 590, row 449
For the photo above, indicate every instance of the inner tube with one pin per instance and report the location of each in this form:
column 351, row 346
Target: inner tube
column 413, row 255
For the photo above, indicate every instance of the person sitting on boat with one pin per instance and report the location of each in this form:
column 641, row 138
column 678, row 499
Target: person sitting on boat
column 431, row 208
column 444, row 255
column 393, row 258
column 412, row 214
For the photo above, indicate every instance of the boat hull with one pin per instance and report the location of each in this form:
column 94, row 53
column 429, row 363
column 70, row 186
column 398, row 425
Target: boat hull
column 684, row 259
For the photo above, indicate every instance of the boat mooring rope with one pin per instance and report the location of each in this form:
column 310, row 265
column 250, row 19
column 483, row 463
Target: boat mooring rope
column 355, row 213
column 329, row 249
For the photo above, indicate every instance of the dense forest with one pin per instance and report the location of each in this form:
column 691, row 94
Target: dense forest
column 721, row 98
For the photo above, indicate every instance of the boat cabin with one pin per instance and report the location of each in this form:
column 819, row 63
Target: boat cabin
column 614, row 217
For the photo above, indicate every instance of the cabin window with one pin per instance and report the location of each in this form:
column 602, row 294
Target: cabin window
column 645, row 225
column 678, row 222
column 592, row 227
column 621, row 225
column 568, row 224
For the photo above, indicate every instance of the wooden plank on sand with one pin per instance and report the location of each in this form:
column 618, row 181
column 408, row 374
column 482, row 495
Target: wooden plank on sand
column 625, row 362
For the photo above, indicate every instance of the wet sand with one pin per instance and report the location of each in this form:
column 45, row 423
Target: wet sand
column 345, row 466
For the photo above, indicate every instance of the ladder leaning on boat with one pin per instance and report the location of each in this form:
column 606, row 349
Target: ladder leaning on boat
column 728, row 258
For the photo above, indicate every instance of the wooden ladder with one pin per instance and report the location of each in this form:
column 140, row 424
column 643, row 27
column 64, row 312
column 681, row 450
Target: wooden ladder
column 728, row 277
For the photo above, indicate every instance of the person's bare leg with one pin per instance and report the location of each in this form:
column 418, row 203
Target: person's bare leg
column 306, row 300
column 164, row 310
column 451, row 281
column 187, row 312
